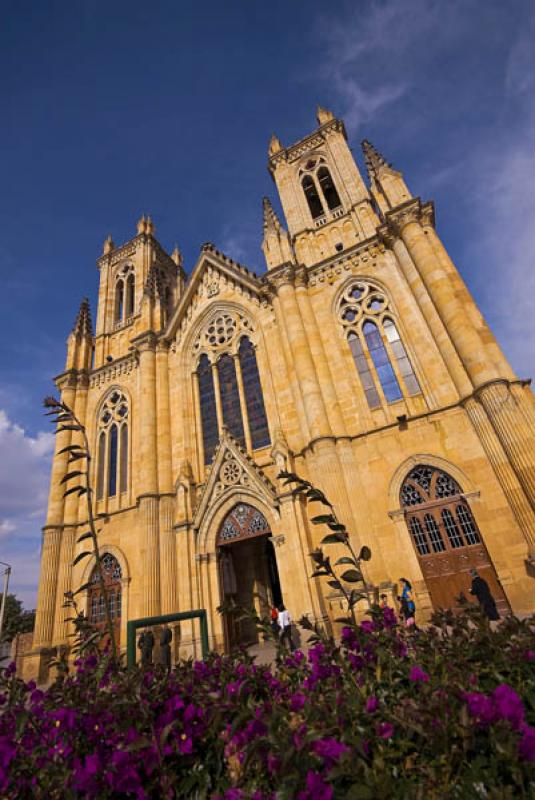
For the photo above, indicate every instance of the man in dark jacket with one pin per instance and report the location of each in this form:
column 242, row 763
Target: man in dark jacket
column 165, row 646
column 480, row 589
column 146, row 645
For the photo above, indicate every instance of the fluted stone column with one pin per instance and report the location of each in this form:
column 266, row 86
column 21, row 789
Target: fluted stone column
column 44, row 619
column 514, row 492
column 52, row 532
column 148, row 477
column 405, row 222
column 168, row 566
column 70, row 515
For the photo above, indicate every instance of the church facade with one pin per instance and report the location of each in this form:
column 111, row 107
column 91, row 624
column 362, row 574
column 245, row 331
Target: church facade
column 358, row 360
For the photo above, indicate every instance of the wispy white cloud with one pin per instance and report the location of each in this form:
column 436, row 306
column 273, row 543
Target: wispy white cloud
column 24, row 476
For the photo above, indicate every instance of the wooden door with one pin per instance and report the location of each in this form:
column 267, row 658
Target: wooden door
column 112, row 580
column 446, row 539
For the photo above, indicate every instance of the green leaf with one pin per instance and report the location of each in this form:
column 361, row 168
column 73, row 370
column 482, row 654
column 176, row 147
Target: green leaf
column 345, row 560
column 351, row 576
column 365, row 553
column 81, row 555
column 69, row 448
column 337, row 526
column 343, row 619
column 73, row 474
column 79, row 489
column 333, row 538
column 319, row 573
column 335, row 584
column 87, row 535
column 76, row 456
column 321, row 519
column 69, row 428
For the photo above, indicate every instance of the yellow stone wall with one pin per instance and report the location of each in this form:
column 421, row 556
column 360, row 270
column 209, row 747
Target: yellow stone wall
column 473, row 418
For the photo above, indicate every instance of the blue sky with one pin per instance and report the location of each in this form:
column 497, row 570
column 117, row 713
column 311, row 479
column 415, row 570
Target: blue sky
column 112, row 109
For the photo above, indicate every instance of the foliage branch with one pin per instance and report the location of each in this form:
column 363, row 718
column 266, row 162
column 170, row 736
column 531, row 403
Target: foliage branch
column 66, row 420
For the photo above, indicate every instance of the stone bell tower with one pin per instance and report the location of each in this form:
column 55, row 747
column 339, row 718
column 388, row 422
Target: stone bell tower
column 325, row 200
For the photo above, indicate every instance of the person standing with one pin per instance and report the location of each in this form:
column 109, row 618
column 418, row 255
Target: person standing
column 480, row 589
column 274, row 620
column 285, row 626
column 146, row 643
column 407, row 604
column 165, row 646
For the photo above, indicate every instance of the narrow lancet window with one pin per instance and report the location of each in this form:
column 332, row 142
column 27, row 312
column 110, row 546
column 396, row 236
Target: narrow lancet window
column 210, row 432
column 230, row 397
column 130, row 295
column 328, row 188
column 119, row 301
column 312, row 196
column 124, row 458
column 381, row 362
column 404, row 365
column 112, row 462
column 256, row 412
column 100, row 467
column 366, row 377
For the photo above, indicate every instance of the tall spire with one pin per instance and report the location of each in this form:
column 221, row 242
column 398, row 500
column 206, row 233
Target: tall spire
column 83, row 325
column 375, row 161
column 275, row 145
column 270, row 218
column 177, row 257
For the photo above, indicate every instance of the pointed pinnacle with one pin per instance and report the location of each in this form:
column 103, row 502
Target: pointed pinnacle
column 375, row 161
column 275, row 145
column 83, row 325
column 270, row 218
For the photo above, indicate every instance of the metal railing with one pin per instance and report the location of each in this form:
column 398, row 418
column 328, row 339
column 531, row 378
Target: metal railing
column 133, row 624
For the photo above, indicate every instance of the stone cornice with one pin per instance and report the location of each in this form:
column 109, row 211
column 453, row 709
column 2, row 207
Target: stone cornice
column 108, row 372
column 145, row 341
column 301, row 147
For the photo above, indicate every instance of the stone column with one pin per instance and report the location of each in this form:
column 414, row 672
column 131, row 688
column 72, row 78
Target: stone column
column 243, row 404
column 406, row 223
column 513, row 490
column 44, row 619
column 148, row 475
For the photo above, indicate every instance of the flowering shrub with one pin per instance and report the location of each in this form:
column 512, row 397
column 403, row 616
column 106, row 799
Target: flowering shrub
column 445, row 712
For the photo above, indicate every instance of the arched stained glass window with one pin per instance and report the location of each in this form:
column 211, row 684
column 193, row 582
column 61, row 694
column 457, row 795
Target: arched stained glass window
column 210, row 432
column 328, row 188
column 112, row 461
column 381, row 362
column 400, row 354
column 230, row 397
column 256, row 412
column 112, row 580
column 130, row 294
column 374, row 339
column 312, row 196
column 119, row 300
column 366, row 377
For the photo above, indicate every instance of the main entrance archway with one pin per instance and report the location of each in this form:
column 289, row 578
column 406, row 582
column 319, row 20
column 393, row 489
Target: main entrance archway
column 248, row 573
column 446, row 537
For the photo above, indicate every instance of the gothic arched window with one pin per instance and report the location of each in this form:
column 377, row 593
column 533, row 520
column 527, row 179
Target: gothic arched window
column 312, row 196
column 378, row 352
column 230, row 397
column 112, row 462
column 328, row 188
column 229, row 388
column 130, row 295
column 119, row 300
column 256, row 412
column 208, row 407
column 95, row 601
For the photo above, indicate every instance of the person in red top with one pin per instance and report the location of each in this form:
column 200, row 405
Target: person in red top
column 274, row 613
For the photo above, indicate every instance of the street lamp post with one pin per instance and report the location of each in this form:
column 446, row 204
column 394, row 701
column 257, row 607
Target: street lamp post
column 7, row 573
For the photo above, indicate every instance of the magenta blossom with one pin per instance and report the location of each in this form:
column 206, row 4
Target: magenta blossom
column 316, row 789
column 508, row 705
column 372, row 704
column 385, row 730
column 329, row 748
column 526, row 745
column 417, row 675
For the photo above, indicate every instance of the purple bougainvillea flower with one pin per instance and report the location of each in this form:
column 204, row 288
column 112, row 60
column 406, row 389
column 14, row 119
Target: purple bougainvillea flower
column 368, row 626
column 418, row 675
column 85, row 773
column 526, row 745
column 297, row 701
column 385, row 730
column 508, row 705
column 329, row 748
column 316, row 788
column 7, row 751
column 273, row 764
column 372, row 704
column 64, row 718
column 480, row 707
column 234, row 794
column 529, row 655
